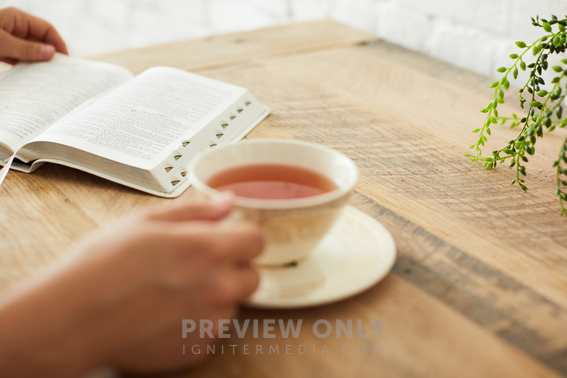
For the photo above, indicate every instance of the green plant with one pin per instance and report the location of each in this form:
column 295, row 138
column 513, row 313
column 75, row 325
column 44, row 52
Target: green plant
column 544, row 107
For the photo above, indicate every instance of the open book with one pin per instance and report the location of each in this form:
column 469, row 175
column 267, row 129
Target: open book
column 137, row 131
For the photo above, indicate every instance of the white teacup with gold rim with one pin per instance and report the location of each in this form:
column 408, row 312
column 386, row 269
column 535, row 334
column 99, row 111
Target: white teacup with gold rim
column 292, row 226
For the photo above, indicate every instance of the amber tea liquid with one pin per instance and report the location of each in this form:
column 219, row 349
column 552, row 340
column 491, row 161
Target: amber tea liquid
column 271, row 181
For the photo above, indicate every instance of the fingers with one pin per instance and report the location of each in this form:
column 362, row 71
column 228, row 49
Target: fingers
column 241, row 242
column 43, row 31
column 214, row 210
column 238, row 243
column 25, row 37
column 16, row 48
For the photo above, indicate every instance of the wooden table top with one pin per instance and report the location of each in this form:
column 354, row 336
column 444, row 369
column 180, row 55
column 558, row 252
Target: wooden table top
column 479, row 287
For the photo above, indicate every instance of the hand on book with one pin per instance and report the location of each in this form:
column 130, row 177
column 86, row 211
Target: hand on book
column 25, row 37
column 120, row 299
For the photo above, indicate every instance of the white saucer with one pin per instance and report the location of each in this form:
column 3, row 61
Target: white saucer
column 356, row 254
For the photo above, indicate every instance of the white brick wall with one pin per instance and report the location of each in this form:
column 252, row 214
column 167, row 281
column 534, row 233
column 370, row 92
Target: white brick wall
column 475, row 34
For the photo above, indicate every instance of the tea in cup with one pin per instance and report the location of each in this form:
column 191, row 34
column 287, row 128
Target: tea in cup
column 294, row 191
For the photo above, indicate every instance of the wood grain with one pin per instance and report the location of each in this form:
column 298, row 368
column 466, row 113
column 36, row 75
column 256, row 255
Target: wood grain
column 237, row 48
column 409, row 315
column 37, row 226
column 495, row 301
column 481, row 269
column 411, row 133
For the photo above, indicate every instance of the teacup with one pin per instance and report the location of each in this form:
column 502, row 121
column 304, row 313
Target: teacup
column 292, row 227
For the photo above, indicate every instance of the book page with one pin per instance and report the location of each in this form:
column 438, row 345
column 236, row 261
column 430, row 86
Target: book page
column 33, row 96
column 142, row 122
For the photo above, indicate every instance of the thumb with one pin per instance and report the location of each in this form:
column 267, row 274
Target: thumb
column 216, row 209
column 21, row 49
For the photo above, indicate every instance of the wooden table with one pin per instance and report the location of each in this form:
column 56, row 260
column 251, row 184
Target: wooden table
column 480, row 284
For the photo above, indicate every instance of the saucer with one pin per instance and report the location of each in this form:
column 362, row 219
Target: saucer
column 356, row 254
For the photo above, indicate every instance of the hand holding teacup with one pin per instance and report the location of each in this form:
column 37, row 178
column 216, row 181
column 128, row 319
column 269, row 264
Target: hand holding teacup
column 293, row 190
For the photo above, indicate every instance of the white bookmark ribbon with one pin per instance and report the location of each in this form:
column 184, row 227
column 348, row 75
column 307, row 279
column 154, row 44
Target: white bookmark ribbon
column 4, row 171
